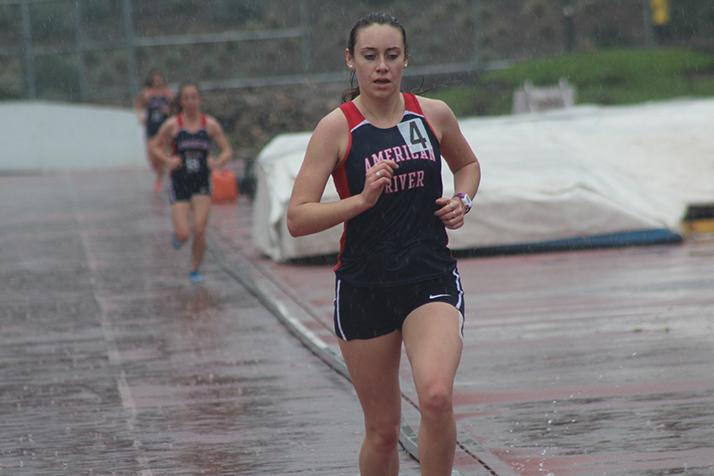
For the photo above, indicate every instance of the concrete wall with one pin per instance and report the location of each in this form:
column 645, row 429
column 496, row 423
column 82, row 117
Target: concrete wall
column 41, row 136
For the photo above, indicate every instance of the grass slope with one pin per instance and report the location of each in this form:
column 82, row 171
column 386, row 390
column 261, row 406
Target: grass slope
column 603, row 77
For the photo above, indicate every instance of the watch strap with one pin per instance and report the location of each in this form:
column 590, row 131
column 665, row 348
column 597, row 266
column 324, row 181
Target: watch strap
column 466, row 200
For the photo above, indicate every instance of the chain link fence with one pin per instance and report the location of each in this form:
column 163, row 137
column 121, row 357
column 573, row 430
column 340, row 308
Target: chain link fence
column 100, row 50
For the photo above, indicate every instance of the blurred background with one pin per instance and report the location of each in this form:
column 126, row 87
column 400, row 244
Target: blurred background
column 273, row 66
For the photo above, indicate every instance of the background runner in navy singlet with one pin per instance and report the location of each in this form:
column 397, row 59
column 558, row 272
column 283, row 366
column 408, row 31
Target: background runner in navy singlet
column 153, row 107
column 188, row 136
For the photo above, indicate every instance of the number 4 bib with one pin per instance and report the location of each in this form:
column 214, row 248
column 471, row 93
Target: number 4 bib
column 414, row 135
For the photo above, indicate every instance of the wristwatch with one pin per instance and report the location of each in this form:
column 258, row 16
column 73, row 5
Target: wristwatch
column 466, row 200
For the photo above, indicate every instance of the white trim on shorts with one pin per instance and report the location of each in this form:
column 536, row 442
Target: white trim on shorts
column 337, row 311
column 455, row 272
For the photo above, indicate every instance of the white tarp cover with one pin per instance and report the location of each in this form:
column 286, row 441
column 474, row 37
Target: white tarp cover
column 577, row 172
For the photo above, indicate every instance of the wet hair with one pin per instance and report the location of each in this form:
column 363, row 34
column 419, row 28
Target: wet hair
column 149, row 81
column 374, row 18
column 177, row 109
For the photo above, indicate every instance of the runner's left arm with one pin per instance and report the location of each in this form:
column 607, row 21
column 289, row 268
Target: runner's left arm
column 216, row 132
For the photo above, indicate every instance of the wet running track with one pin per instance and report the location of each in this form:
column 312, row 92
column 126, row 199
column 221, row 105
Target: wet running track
column 112, row 363
column 576, row 363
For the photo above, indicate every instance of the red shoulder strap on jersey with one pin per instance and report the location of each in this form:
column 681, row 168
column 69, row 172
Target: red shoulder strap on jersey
column 411, row 103
column 179, row 120
column 204, row 121
column 352, row 114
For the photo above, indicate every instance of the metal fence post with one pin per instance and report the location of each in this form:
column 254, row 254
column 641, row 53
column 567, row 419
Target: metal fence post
column 79, row 49
column 28, row 55
column 306, row 37
column 569, row 27
column 476, row 11
column 130, row 47
column 647, row 23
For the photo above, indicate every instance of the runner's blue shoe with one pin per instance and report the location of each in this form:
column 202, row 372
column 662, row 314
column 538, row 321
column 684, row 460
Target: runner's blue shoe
column 175, row 242
column 196, row 277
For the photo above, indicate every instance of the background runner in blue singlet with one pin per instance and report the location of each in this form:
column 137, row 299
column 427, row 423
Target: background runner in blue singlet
column 396, row 280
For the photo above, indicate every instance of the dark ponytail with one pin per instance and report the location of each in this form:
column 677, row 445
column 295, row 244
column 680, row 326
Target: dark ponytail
column 375, row 18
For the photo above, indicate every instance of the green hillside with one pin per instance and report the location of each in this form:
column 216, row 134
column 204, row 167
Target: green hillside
column 603, row 77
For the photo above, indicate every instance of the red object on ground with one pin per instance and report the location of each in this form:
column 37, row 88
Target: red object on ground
column 224, row 186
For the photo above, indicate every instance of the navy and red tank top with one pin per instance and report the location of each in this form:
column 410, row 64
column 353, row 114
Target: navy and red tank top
column 158, row 110
column 398, row 240
column 193, row 148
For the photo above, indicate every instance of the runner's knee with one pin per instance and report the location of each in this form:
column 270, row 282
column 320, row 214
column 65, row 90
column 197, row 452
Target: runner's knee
column 435, row 401
column 383, row 438
column 200, row 232
column 182, row 235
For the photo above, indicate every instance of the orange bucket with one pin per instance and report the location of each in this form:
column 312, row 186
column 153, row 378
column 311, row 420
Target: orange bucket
column 224, row 186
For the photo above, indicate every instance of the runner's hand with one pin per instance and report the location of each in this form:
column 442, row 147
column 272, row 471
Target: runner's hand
column 451, row 212
column 174, row 162
column 376, row 178
column 213, row 164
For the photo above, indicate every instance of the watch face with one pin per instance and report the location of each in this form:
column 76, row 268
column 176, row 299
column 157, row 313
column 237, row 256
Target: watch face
column 466, row 200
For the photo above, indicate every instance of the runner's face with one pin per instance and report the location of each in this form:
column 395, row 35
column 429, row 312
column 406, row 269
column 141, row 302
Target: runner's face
column 157, row 81
column 190, row 100
column 379, row 59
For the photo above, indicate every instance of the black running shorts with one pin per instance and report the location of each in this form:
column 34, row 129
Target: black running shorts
column 367, row 312
column 184, row 186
